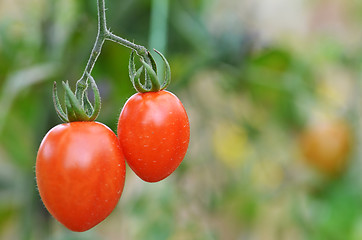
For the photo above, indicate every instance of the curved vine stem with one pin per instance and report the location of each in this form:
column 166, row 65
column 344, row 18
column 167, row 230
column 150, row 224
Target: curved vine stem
column 78, row 106
column 102, row 35
column 140, row 50
column 97, row 48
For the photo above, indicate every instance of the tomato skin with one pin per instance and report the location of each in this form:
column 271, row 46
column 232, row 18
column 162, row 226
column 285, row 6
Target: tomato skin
column 80, row 173
column 154, row 133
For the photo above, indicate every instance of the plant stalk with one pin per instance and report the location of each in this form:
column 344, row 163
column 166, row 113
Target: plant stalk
column 102, row 35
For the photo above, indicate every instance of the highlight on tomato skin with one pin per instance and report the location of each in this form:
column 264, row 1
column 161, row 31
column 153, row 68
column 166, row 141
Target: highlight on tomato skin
column 326, row 146
column 80, row 173
column 154, row 133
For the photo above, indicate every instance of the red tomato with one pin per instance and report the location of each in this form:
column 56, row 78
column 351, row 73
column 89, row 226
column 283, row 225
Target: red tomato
column 80, row 172
column 154, row 133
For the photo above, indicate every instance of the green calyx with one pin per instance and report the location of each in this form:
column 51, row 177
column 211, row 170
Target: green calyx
column 152, row 82
column 77, row 106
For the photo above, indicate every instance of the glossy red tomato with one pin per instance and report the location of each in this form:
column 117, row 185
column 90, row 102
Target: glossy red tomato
column 154, row 133
column 80, row 172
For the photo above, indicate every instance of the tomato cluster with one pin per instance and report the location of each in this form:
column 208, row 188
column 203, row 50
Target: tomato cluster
column 80, row 166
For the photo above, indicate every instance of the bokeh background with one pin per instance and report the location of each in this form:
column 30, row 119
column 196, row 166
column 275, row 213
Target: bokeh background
column 272, row 89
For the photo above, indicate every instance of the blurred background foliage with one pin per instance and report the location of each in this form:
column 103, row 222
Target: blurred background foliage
column 272, row 90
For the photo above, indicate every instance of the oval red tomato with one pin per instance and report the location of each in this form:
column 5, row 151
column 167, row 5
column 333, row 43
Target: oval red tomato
column 80, row 172
column 154, row 133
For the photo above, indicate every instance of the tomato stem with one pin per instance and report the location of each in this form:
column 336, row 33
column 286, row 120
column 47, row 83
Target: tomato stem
column 96, row 51
column 77, row 105
column 105, row 34
column 102, row 35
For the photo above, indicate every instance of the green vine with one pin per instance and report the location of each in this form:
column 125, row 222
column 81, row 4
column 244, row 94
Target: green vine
column 77, row 105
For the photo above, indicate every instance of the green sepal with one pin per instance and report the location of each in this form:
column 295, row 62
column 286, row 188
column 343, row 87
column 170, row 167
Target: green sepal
column 148, row 78
column 80, row 90
column 88, row 108
column 152, row 82
column 82, row 96
column 57, row 105
column 69, row 110
column 153, row 63
column 75, row 105
column 97, row 99
column 131, row 67
column 167, row 79
column 148, row 82
column 137, row 82
column 155, row 86
column 135, row 75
